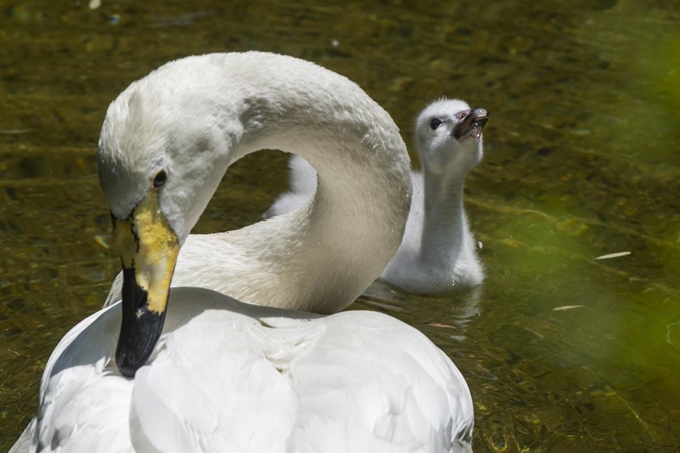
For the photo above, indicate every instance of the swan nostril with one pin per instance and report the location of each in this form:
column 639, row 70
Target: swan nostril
column 160, row 179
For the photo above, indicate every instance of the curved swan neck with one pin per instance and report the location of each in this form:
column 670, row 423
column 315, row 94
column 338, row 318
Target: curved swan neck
column 355, row 222
column 241, row 103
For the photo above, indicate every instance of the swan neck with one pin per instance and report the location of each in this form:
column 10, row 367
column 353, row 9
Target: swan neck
column 330, row 250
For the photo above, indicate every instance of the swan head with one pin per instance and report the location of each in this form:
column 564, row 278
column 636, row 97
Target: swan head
column 449, row 136
column 159, row 163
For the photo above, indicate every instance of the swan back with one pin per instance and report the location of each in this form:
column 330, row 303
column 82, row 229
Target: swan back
column 273, row 380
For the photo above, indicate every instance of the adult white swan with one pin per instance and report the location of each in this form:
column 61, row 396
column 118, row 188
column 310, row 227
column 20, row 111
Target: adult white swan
column 438, row 251
column 227, row 376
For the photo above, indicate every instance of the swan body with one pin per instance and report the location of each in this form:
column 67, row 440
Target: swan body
column 437, row 253
column 221, row 375
column 227, row 376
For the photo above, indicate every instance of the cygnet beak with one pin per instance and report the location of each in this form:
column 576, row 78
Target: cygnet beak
column 471, row 125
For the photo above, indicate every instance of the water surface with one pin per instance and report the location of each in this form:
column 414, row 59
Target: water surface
column 562, row 352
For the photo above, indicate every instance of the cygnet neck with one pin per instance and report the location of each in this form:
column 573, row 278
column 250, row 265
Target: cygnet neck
column 445, row 225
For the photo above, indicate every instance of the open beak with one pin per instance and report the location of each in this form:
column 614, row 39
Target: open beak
column 148, row 249
column 471, row 125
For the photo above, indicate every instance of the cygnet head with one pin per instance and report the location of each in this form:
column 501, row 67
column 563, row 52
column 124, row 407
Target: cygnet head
column 449, row 136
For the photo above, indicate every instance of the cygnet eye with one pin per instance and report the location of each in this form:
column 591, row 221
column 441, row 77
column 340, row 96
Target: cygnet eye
column 461, row 115
column 160, row 179
column 434, row 123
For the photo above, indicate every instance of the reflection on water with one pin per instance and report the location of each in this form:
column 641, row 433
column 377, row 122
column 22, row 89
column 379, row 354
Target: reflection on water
column 562, row 352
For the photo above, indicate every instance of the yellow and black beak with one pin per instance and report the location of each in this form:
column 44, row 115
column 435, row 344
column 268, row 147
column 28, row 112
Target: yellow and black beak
column 148, row 249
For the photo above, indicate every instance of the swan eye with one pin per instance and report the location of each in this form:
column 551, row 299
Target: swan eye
column 159, row 179
column 434, row 123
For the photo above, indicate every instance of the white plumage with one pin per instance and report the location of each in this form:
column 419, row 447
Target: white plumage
column 227, row 376
column 438, row 251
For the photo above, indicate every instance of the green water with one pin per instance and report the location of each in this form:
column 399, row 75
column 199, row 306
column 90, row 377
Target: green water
column 562, row 352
